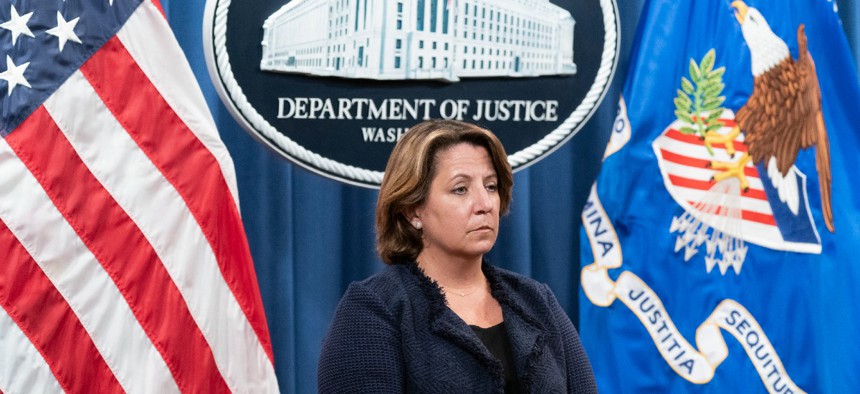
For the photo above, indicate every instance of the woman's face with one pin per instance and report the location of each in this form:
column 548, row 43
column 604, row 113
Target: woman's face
column 460, row 217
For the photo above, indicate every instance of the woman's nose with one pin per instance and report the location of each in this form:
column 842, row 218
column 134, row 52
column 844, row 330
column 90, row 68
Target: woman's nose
column 483, row 201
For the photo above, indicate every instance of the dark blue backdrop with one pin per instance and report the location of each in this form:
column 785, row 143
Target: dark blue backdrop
column 311, row 236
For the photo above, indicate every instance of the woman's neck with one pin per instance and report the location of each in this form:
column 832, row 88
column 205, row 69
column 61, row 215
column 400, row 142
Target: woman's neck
column 452, row 272
column 466, row 289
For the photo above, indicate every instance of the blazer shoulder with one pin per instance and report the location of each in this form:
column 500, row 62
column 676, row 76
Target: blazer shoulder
column 387, row 285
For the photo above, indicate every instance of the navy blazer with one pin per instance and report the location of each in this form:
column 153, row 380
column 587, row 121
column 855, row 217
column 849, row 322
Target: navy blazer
column 394, row 333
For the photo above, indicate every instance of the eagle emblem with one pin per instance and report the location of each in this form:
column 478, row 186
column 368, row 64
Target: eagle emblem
column 734, row 173
column 783, row 114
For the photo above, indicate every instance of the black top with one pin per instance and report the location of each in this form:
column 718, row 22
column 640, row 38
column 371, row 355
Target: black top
column 496, row 340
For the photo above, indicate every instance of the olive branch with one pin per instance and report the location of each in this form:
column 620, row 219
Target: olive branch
column 698, row 101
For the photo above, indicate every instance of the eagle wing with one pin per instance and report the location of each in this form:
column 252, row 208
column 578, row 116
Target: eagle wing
column 813, row 130
column 776, row 119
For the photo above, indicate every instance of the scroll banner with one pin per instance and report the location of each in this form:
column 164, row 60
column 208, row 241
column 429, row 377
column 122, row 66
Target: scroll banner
column 696, row 366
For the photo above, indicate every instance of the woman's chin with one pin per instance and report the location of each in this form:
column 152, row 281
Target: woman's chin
column 482, row 248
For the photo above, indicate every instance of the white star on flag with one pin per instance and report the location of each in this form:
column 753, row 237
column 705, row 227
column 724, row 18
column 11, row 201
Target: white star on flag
column 14, row 75
column 65, row 30
column 18, row 25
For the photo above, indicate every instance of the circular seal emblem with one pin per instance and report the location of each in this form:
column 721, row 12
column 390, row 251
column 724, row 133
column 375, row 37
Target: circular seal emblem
column 332, row 84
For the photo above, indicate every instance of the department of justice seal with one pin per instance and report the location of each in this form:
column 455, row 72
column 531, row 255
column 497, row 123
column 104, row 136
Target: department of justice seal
column 332, row 84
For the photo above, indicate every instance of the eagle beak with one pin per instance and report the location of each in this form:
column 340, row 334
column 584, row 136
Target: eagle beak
column 740, row 10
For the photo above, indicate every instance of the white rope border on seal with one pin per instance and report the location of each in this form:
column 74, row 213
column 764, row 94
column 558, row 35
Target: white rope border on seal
column 576, row 120
column 280, row 142
column 250, row 114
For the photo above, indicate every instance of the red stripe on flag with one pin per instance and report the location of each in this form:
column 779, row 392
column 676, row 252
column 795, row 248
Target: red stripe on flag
column 758, row 217
column 696, row 140
column 757, row 194
column 186, row 164
column 700, row 163
column 32, row 301
column 750, row 216
column 160, row 8
column 122, row 250
column 690, row 183
column 706, row 185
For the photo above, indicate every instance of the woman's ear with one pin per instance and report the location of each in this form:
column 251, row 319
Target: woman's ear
column 414, row 213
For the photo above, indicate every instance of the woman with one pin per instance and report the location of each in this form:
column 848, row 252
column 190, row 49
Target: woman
column 440, row 319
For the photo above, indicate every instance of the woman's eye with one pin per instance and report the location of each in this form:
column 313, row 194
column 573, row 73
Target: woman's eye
column 492, row 187
column 459, row 190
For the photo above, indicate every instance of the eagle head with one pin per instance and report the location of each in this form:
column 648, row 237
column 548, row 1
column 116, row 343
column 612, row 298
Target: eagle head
column 766, row 48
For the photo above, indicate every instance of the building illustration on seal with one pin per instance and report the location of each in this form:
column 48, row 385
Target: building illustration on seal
column 419, row 39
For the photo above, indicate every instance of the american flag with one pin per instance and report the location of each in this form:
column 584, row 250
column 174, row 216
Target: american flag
column 123, row 260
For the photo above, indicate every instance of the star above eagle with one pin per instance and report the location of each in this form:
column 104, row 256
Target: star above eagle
column 784, row 112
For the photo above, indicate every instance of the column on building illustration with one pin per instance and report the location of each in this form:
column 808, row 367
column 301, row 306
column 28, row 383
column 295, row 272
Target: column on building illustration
column 429, row 40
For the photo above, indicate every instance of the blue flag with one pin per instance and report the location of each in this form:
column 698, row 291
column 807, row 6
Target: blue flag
column 719, row 240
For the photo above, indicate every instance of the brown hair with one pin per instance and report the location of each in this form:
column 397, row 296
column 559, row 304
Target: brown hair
column 410, row 170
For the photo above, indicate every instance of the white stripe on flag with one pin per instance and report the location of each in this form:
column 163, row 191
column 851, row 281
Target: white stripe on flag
column 22, row 367
column 164, row 219
column 42, row 230
column 148, row 38
column 684, row 148
column 704, row 175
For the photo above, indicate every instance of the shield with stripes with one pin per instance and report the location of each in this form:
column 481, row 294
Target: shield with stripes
column 721, row 216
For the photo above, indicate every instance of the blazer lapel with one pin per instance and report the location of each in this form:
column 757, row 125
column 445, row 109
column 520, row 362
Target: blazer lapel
column 526, row 331
column 446, row 324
